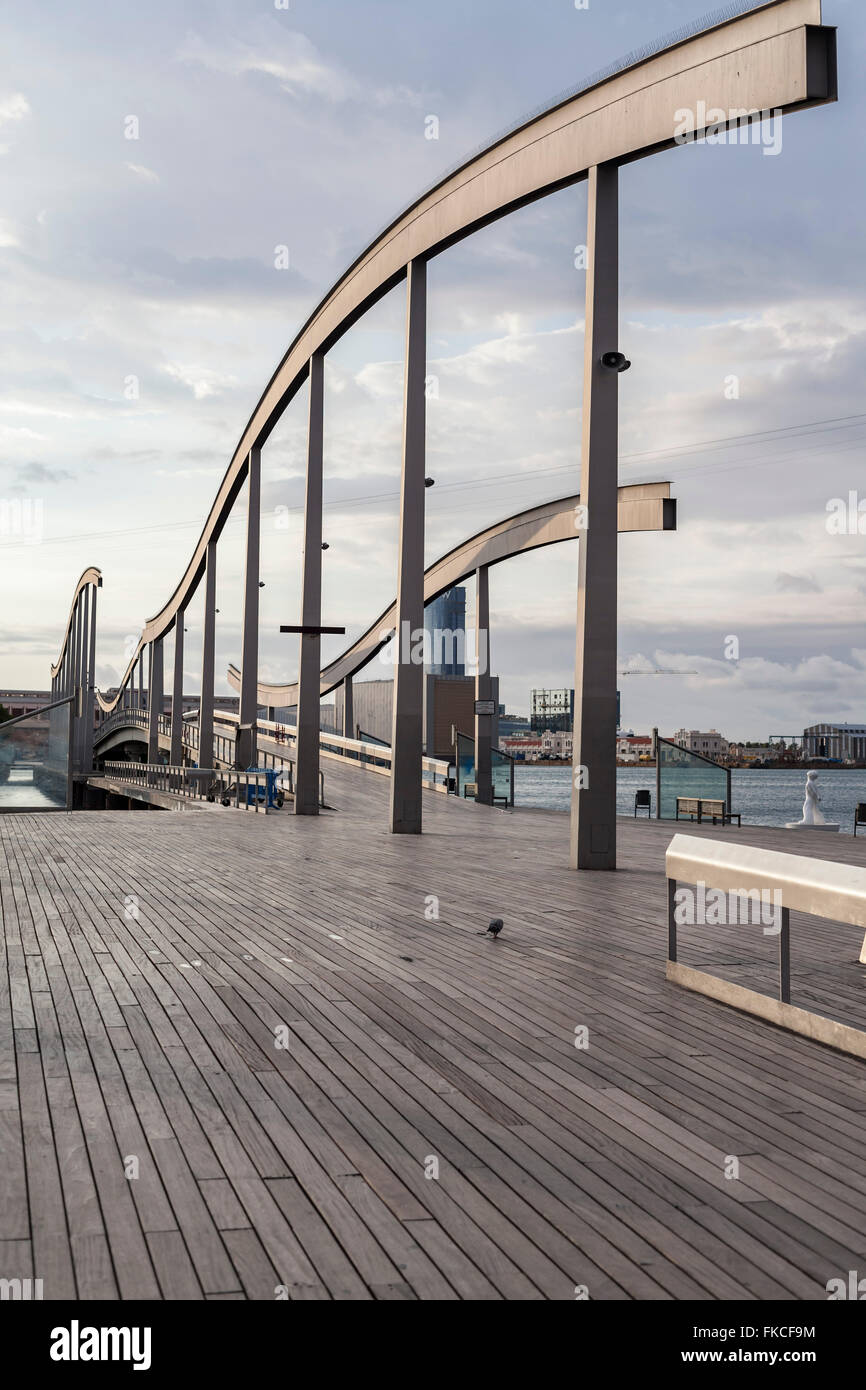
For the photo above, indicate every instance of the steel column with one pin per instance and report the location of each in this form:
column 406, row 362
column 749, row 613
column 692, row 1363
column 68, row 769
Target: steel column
column 407, row 737
column 348, row 708
column 205, row 708
column 309, row 667
column 593, row 805
column 141, row 679
column 483, row 722
column 175, row 756
column 90, row 697
column 156, row 700
column 83, row 659
column 248, row 703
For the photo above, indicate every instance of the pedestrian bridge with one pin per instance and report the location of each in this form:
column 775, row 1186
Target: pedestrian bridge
column 746, row 62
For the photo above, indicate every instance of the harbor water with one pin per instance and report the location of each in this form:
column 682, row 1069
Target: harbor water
column 769, row 797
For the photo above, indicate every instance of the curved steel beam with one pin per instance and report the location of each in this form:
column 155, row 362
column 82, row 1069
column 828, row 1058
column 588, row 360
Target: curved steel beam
column 90, row 576
column 642, row 507
column 771, row 58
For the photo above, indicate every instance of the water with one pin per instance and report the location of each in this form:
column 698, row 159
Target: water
column 20, row 793
column 769, row 797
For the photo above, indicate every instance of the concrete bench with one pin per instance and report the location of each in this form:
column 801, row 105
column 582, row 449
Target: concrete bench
column 705, row 807
column 821, row 887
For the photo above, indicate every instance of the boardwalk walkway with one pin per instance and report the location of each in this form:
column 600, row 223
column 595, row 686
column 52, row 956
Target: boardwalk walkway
column 152, row 962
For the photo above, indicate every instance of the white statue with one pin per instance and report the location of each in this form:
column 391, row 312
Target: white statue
column 812, row 816
column 811, row 813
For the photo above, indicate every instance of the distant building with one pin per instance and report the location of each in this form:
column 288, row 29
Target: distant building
column 445, row 622
column 510, row 724
column 552, row 709
column 630, row 748
column 557, row 743
column 846, row 742
column 523, row 747
column 710, row 744
column 19, row 702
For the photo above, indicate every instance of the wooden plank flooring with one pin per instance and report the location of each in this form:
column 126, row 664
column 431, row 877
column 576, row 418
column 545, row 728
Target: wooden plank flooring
column 234, row 1049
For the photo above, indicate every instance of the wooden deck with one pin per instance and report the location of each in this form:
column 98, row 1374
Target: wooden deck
column 149, row 959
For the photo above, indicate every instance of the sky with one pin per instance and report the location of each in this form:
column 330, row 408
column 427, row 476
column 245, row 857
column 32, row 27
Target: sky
column 180, row 184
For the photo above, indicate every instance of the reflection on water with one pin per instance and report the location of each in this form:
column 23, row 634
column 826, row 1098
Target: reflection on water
column 22, row 793
column 764, row 797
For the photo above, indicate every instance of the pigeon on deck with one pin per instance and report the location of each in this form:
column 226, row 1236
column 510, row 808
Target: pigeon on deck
column 495, row 927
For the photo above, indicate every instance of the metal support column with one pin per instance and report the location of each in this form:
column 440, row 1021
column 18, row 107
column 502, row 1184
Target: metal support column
column 348, row 708
column 156, row 700
column 205, row 708
column 175, row 756
column 593, row 805
column 90, row 694
column 248, row 703
column 407, row 736
column 309, row 666
column 483, row 685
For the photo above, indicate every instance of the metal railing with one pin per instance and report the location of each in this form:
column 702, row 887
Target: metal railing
column 195, row 782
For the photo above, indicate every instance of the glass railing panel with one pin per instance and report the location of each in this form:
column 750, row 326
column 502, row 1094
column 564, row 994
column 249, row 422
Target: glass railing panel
column 464, row 763
column 682, row 773
column 34, row 762
column 502, row 768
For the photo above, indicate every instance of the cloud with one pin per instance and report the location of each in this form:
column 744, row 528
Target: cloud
column 142, row 172
column 8, row 234
column 41, row 473
column 13, row 108
column 797, row 584
column 202, row 381
column 293, row 62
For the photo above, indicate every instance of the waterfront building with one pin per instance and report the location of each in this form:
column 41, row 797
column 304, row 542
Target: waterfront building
column 711, row 744
column 846, row 742
column 631, row 748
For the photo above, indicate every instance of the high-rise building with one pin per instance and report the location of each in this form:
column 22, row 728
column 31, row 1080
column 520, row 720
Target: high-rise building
column 445, row 622
column 552, row 709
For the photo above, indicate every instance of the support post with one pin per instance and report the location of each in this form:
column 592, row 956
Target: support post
column 785, row 957
column 156, row 700
column 593, row 804
column 407, row 736
column 83, row 659
column 348, row 708
column 248, row 703
column 205, row 708
column 309, row 662
column 483, row 685
column 672, row 919
column 175, row 756
column 90, row 694
column 141, row 678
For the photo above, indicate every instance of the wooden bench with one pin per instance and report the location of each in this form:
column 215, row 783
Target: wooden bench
column 706, row 807
column 821, row 887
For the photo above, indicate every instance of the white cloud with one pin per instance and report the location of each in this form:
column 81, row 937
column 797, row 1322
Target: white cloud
column 294, row 63
column 13, row 108
column 142, row 172
column 202, row 381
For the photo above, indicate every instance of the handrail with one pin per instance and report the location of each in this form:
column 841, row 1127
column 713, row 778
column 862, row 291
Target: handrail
column 641, row 507
column 90, row 576
column 623, row 117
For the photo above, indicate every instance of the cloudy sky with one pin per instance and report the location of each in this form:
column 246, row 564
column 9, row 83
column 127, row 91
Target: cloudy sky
column 143, row 313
